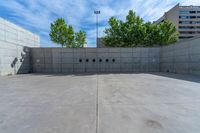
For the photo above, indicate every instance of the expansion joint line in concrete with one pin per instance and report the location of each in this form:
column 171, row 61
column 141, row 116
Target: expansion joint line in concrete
column 97, row 104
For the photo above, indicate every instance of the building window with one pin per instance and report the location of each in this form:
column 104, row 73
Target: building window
column 187, row 32
column 184, row 22
column 186, row 27
column 184, row 12
column 192, row 11
column 187, row 17
column 185, row 37
column 192, row 17
column 198, row 11
column 198, row 16
column 184, row 17
column 189, row 22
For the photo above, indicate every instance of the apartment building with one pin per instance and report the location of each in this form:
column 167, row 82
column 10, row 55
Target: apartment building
column 186, row 19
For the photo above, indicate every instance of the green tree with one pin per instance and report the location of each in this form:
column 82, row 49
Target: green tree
column 135, row 29
column 58, row 32
column 168, row 33
column 135, row 32
column 70, row 37
column 114, row 37
column 80, row 39
column 63, row 34
column 151, row 37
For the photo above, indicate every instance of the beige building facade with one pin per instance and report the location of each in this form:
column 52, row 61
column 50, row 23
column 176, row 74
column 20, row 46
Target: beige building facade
column 186, row 19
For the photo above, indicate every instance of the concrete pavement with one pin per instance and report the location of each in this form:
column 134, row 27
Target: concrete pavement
column 105, row 103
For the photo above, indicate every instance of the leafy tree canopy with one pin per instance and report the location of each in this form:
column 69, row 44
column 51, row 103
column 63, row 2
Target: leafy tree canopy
column 80, row 38
column 64, row 35
column 135, row 32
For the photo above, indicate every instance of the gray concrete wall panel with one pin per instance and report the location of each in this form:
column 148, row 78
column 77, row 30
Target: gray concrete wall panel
column 96, row 59
column 15, row 54
column 182, row 57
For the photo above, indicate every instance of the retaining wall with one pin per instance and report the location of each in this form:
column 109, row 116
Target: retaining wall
column 182, row 57
column 63, row 60
column 15, row 43
column 19, row 55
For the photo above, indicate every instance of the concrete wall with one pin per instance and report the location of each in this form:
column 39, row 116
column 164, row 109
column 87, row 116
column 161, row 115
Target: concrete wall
column 58, row 60
column 18, row 55
column 182, row 57
column 14, row 48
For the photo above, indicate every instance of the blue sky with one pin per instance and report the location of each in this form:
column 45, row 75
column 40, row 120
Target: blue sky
column 36, row 15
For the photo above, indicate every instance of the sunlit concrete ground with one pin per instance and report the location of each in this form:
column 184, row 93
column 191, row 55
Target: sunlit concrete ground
column 105, row 103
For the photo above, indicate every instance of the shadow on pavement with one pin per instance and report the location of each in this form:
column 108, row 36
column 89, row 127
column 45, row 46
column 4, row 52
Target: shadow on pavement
column 186, row 77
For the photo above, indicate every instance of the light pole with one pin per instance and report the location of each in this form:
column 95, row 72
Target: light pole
column 97, row 24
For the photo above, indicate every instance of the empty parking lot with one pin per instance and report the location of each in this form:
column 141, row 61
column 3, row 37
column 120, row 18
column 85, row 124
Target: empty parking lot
column 100, row 103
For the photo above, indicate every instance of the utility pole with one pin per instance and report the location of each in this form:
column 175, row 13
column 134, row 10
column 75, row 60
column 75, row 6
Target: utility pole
column 97, row 24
